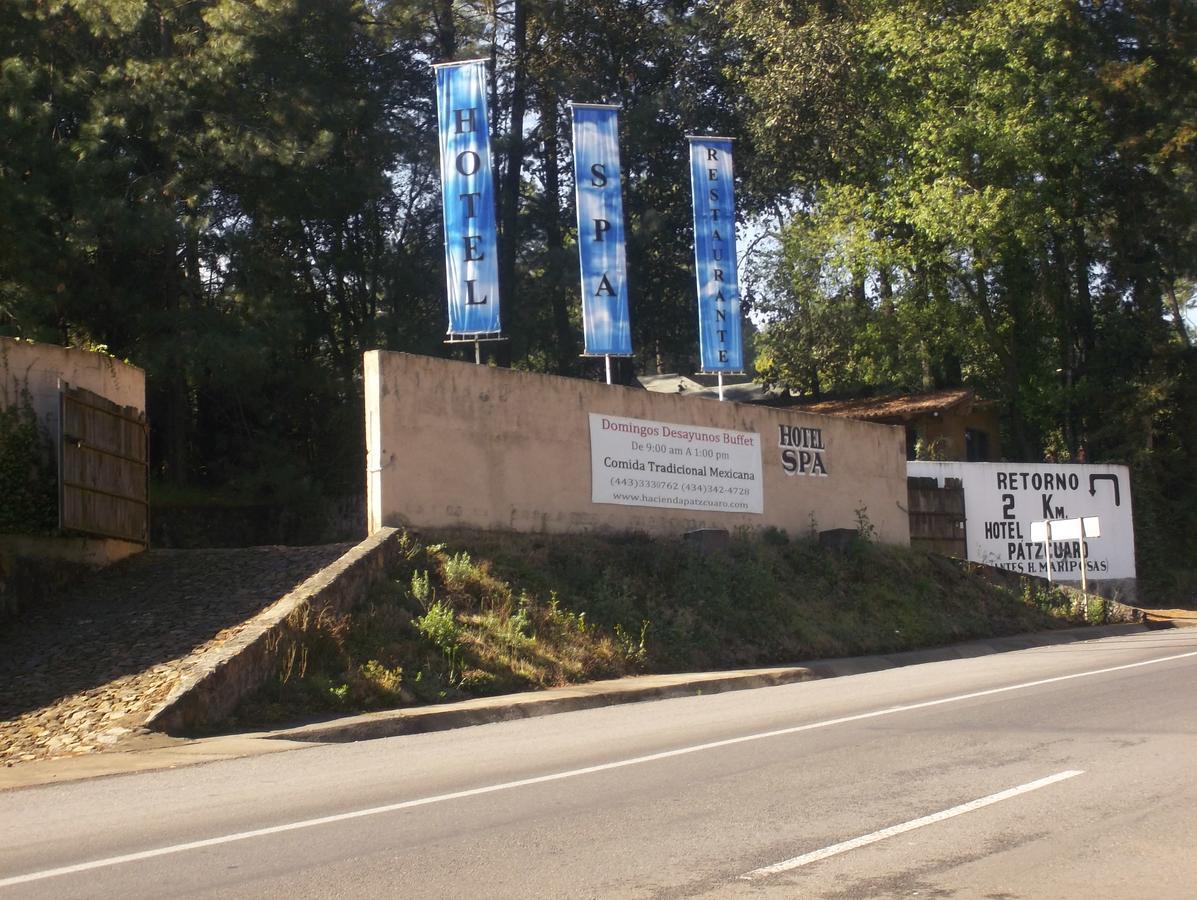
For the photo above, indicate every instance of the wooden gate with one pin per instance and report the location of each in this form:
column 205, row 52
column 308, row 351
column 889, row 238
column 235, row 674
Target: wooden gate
column 937, row 516
column 103, row 472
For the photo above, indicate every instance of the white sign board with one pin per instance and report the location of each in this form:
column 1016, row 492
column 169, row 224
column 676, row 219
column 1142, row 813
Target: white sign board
column 640, row 462
column 1002, row 500
column 1066, row 529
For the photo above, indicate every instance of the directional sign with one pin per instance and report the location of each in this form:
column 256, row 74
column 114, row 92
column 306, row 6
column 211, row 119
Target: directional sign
column 1068, row 529
column 1111, row 480
column 1004, row 501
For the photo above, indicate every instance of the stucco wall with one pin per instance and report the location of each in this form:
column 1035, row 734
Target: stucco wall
column 455, row 444
column 40, row 368
column 947, row 432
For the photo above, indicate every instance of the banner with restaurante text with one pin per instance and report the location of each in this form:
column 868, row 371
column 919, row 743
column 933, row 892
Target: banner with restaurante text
column 720, row 344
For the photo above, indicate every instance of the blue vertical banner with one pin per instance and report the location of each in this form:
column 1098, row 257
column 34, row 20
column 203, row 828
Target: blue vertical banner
column 601, row 248
column 715, row 254
column 468, row 199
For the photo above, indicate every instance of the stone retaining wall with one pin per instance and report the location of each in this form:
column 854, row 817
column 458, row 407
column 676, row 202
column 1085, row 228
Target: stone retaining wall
column 219, row 679
column 34, row 568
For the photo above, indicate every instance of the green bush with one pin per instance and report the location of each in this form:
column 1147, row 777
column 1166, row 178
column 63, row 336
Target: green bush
column 28, row 476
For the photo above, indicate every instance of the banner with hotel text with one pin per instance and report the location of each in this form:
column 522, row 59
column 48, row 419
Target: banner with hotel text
column 715, row 254
column 601, row 248
column 468, row 198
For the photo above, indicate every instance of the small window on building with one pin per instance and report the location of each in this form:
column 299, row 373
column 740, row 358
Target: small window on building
column 912, row 440
column 976, row 445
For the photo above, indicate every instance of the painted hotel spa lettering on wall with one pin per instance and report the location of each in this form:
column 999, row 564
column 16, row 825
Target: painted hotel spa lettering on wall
column 802, row 450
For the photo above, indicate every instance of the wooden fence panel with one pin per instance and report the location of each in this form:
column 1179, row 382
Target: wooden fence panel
column 103, row 467
column 937, row 516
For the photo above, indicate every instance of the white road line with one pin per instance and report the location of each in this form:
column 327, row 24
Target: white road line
column 557, row 776
column 865, row 840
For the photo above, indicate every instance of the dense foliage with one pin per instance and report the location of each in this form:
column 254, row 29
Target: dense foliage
column 1001, row 195
column 241, row 197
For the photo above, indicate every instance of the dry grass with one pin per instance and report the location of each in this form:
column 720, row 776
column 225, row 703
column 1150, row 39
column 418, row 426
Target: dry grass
column 476, row 613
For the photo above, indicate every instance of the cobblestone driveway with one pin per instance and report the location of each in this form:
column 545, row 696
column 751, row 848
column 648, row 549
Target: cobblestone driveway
column 80, row 674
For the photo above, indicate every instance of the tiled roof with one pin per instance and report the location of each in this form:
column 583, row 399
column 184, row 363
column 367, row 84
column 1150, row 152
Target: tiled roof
column 902, row 407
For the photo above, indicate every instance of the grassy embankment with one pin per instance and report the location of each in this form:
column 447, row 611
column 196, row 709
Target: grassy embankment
column 471, row 614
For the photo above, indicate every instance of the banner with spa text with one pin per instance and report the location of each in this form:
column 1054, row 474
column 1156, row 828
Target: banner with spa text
column 719, row 336
column 468, row 199
column 601, row 242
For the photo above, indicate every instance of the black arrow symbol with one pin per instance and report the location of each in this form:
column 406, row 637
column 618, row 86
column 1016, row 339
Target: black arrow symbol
column 1093, row 479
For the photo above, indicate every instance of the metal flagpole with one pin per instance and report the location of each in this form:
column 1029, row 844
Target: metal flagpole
column 1084, row 574
column 607, row 357
column 1047, row 548
column 721, row 386
column 477, row 353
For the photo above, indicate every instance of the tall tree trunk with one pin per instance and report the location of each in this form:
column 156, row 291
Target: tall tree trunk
column 859, row 294
column 891, row 342
column 554, row 240
column 176, row 422
column 1178, row 319
column 509, row 196
column 446, row 30
column 173, row 416
column 1082, row 293
column 1084, row 338
column 1061, row 289
column 922, row 296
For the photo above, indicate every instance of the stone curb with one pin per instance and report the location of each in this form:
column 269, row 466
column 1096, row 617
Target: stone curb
column 161, row 752
column 538, row 703
column 858, row 665
column 217, row 681
column 504, row 708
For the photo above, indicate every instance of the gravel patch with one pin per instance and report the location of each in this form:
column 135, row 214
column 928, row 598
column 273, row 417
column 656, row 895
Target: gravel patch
column 79, row 675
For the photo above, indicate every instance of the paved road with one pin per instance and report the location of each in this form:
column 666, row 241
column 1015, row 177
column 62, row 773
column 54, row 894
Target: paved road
column 1061, row 771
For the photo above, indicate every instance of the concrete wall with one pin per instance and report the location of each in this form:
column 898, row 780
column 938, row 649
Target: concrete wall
column 34, row 568
column 455, row 444
column 41, row 367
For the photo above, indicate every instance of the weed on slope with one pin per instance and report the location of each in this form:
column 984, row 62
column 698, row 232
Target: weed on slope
column 469, row 614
